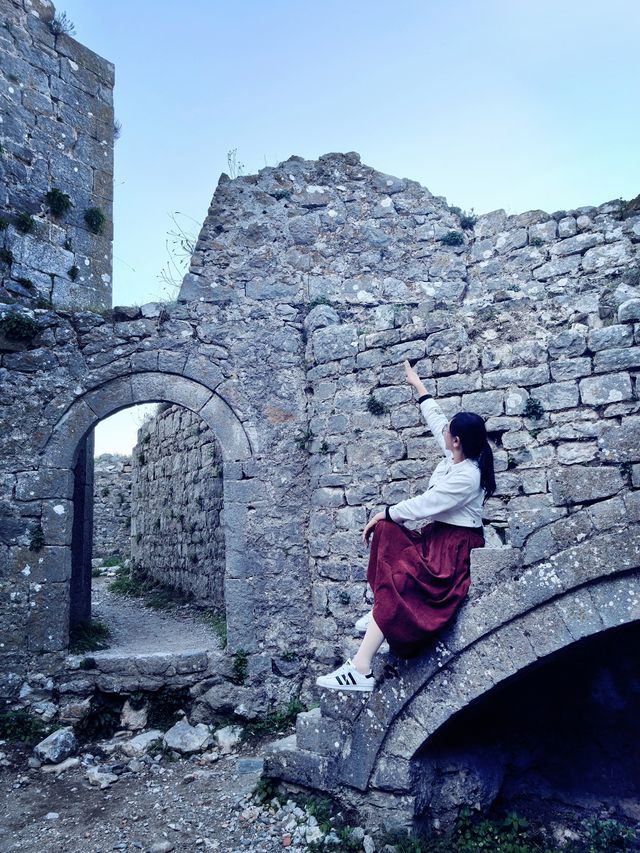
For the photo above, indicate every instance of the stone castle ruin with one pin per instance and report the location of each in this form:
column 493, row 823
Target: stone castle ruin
column 310, row 283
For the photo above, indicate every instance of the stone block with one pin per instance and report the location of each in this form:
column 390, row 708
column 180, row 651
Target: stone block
column 567, row 344
column 563, row 266
column 629, row 311
column 491, row 566
column 336, row 705
column 557, row 395
column 572, row 452
column 484, row 403
column 57, row 746
column 578, row 244
column 609, row 257
column 334, row 342
column 302, row 768
column 446, row 341
column 570, row 368
column 607, row 388
column 618, row 603
column 632, row 507
column 547, row 631
column 524, row 522
column 608, row 513
column 48, row 618
column 621, row 444
column 458, row 383
column 516, row 376
column 610, row 337
column 616, row 359
column 578, row 484
column 515, row 401
column 57, row 522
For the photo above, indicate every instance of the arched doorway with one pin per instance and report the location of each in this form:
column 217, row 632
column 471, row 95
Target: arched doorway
column 67, row 465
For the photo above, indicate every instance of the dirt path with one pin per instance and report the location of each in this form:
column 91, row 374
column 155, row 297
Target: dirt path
column 138, row 630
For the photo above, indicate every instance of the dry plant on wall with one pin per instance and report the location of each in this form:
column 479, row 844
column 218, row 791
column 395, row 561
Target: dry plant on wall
column 180, row 244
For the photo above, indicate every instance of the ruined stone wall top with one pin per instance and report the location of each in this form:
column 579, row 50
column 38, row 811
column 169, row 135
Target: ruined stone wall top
column 57, row 135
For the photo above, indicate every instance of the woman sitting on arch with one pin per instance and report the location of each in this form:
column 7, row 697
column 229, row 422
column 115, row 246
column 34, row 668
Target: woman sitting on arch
column 419, row 578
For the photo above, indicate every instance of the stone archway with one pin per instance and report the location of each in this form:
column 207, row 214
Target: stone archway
column 54, row 480
column 555, row 625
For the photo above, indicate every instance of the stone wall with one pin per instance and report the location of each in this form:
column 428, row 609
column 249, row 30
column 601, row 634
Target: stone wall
column 112, row 506
column 57, row 134
column 311, row 282
column 177, row 535
column 531, row 320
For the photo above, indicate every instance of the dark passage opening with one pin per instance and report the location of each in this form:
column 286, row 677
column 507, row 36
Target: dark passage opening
column 561, row 737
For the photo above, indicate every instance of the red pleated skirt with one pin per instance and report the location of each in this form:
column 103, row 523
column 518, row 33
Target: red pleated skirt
column 419, row 579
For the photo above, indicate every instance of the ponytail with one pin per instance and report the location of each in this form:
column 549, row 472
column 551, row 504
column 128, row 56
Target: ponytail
column 471, row 431
column 487, row 476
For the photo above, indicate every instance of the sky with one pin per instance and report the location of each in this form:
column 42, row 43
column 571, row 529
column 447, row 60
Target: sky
column 493, row 104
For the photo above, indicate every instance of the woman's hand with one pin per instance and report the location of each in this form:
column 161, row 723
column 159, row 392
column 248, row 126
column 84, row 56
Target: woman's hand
column 412, row 376
column 414, row 379
column 366, row 533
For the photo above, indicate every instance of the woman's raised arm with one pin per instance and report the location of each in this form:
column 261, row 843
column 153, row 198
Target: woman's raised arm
column 433, row 414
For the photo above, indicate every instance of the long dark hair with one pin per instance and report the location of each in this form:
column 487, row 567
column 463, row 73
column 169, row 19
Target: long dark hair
column 471, row 431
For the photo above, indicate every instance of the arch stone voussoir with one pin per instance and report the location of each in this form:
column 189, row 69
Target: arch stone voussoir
column 229, row 430
column 106, row 399
column 61, row 449
column 157, row 387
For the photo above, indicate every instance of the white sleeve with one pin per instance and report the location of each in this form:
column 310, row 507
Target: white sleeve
column 451, row 491
column 436, row 421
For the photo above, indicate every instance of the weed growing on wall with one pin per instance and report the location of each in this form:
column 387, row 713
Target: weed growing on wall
column 58, row 203
column 61, row 24
column 452, row 238
column 375, row 406
column 95, row 219
column 36, row 541
column 533, row 409
column 25, row 223
column 514, row 834
column 218, row 623
column 240, row 667
column 275, row 722
column 18, row 327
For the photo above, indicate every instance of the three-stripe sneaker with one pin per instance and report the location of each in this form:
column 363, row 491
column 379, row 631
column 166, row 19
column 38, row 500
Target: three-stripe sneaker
column 347, row 677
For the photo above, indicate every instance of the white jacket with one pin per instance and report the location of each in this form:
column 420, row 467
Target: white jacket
column 454, row 494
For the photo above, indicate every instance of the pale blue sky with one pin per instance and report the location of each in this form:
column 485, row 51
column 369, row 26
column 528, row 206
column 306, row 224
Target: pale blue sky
column 491, row 104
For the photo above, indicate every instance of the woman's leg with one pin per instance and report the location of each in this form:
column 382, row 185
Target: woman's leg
column 370, row 644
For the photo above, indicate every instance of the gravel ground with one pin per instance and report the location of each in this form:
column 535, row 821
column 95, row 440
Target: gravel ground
column 183, row 805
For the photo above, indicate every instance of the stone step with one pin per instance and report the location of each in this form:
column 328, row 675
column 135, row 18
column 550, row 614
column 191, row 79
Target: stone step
column 299, row 766
column 321, row 735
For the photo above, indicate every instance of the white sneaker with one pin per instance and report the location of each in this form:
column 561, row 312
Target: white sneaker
column 363, row 622
column 347, row 677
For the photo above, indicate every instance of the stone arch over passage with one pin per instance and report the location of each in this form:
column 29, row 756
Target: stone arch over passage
column 58, row 479
column 501, row 654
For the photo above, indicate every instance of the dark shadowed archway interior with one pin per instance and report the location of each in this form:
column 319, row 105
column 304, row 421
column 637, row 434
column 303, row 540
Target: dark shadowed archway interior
column 562, row 735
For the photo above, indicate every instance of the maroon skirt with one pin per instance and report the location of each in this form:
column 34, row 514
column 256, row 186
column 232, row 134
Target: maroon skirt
column 419, row 579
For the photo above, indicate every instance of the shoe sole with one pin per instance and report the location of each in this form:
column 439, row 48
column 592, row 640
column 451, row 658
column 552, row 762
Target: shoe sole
column 353, row 688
